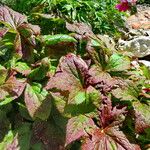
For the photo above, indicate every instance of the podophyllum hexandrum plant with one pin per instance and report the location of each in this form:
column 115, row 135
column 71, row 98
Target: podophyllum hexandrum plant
column 69, row 91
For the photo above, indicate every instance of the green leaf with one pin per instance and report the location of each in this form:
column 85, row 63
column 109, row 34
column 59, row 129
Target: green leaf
column 57, row 39
column 142, row 117
column 80, row 97
column 37, row 101
column 7, row 140
column 146, row 71
column 22, row 67
column 6, row 101
column 129, row 91
column 3, row 74
column 24, row 133
column 40, row 72
column 118, row 62
column 5, row 124
column 24, row 112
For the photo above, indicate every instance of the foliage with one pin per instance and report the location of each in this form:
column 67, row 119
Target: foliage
column 100, row 14
column 69, row 91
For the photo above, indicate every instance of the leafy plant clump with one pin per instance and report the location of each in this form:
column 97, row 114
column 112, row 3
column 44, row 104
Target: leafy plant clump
column 69, row 91
column 101, row 15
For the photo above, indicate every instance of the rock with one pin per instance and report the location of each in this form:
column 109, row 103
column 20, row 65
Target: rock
column 136, row 64
column 145, row 62
column 140, row 20
column 139, row 46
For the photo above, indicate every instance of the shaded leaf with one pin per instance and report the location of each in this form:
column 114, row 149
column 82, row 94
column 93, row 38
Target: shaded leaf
column 49, row 134
column 23, row 133
column 58, row 45
column 142, row 117
column 43, row 69
column 3, row 74
column 37, row 101
column 5, row 124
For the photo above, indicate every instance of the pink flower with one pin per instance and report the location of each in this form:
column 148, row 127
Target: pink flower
column 125, row 5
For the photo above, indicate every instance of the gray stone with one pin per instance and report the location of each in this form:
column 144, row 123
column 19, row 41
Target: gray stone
column 139, row 46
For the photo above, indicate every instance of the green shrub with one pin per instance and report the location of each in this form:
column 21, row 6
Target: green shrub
column 100, row 14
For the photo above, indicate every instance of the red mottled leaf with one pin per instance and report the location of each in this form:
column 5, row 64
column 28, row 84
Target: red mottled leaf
column 3, row 31
column 79, row 28
column 108, row 138
column 17, row 44
column 110, row 116
column 11, row 18
column 101, row 80
column 37, row 101
column 58, row 45
column 17, row 23
column 76, row 128
column 49, row 134
column 70, row 76
column 13, row 88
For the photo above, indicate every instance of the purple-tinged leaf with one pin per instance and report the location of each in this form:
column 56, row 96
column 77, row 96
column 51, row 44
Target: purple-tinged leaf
column 49, row 134
column 108, row 138
column 101, row 80
column 14, row 145
column 76, row 128
column 37, row 101
column 110, row 116
column 3, row 31
column 17, row 44
column 13, row 88
column 25, row 33
column 79, row 28
column 58, row 45
column 11, row 18
column 70, row 76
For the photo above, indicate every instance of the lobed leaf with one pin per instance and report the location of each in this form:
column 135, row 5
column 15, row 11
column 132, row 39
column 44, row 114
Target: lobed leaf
column 12, row 88
column 76, row 128
column 37, row 101
column 118, row 62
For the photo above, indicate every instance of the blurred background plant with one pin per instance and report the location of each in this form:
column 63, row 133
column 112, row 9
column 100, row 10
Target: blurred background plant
column 51, row 15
